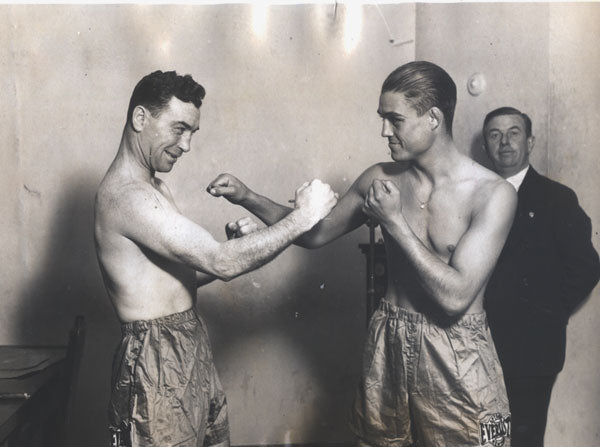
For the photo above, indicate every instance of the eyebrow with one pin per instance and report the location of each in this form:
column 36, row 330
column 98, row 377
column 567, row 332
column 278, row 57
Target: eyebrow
column 498, row 130
column 186, row 125
column 389, row 114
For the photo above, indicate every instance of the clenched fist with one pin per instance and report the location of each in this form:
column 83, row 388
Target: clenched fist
column 383, row 202
column 315, row 200
column 230, row 187
column 240, row 227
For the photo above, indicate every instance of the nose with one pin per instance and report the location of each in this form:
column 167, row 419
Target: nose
column 185, row 142
column 386, row 129
column 504, row 139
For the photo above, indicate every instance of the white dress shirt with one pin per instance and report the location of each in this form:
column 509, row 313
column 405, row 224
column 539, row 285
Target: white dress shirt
column 517, row 179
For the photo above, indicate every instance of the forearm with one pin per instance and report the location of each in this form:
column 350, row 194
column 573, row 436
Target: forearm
column 264, row 208
column 270, row 212
column 241, row 255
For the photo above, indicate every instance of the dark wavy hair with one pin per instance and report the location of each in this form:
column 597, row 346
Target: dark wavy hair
column 509, row 111
column 424, row 85
column 155, row 90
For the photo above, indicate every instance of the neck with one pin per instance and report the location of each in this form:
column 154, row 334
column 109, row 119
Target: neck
column 439, row 161
column 132, row 157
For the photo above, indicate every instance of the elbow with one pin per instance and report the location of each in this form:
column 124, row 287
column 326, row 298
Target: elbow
column 456, row 306
column 226, row 273
column 227, row 278
column 225, row 268
column 453, row 311
column 220, row 262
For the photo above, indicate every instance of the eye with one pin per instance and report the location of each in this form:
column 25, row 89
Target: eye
column 493, row 136
column 179, row 130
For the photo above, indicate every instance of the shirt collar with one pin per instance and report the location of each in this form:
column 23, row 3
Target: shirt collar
column 517, row 179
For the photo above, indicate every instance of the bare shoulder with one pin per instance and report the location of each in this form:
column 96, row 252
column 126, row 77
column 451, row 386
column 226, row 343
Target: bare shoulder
column 120, row 199
column 491, row 192
column 383, row 171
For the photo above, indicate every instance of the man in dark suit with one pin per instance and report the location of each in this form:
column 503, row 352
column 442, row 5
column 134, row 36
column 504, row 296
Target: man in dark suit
column 546, row 270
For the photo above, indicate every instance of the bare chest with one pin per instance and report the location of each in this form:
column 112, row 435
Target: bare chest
column 439, row 223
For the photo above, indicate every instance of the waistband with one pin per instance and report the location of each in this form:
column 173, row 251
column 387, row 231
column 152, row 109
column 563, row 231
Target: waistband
column 172, row 319
column 400, row 313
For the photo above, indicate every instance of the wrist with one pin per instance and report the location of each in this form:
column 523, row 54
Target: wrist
column 249, row 198
column 302, row 220
column 396, row 223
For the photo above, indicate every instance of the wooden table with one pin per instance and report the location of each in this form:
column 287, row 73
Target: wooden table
column 31, row 404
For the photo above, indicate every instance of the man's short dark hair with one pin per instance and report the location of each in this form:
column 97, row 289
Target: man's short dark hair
column 424, row 85
column 509, row 111
column 154, row 91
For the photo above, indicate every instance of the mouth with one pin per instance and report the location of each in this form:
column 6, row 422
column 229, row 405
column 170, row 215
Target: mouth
column 171, row 157
column 505, row 153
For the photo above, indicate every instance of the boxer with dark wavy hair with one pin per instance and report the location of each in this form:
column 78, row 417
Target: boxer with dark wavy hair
column 165, row 389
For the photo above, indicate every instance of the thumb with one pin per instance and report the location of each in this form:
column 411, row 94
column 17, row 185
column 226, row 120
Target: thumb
column 230, row 229
column 218, row 191
column 390, row 186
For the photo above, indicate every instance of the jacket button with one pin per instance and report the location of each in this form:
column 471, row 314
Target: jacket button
column 531, row 214
column 525, row 282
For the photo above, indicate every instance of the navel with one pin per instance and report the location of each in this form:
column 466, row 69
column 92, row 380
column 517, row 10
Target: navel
column 451, row 248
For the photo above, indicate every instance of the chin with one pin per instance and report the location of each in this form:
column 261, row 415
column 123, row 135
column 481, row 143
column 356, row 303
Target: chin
column 164, row 168
column 399, row 157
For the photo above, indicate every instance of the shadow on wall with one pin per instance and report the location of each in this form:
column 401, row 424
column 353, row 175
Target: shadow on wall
column 478, row 152
column 321, row 327
column 68, row 283
column 316, row 323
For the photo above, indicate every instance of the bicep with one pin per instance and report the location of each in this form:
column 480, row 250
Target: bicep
column 346, row 216
column 479, row 248
column 154, row 224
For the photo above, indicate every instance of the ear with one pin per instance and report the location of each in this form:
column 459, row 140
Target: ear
column 435, row 118
column 530, row 144
column 139, row 118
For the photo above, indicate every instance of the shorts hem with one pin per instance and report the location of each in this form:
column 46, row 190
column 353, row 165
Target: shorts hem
column 376, row 441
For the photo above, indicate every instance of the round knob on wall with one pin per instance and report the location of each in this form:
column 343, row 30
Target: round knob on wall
column 476, row 84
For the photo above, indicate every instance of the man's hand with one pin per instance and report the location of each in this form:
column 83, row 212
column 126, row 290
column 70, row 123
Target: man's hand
column 230, row 187
column 383, row 202
column 315, row 200
column 240, row 227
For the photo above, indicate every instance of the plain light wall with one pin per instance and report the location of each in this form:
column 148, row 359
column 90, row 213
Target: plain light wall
column 293, row 102
column 542, row 59
column 574, row 159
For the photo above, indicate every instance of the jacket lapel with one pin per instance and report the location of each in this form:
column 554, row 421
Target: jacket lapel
column 524, row 212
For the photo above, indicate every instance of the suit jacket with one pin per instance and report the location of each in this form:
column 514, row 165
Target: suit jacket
column 547, row 268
